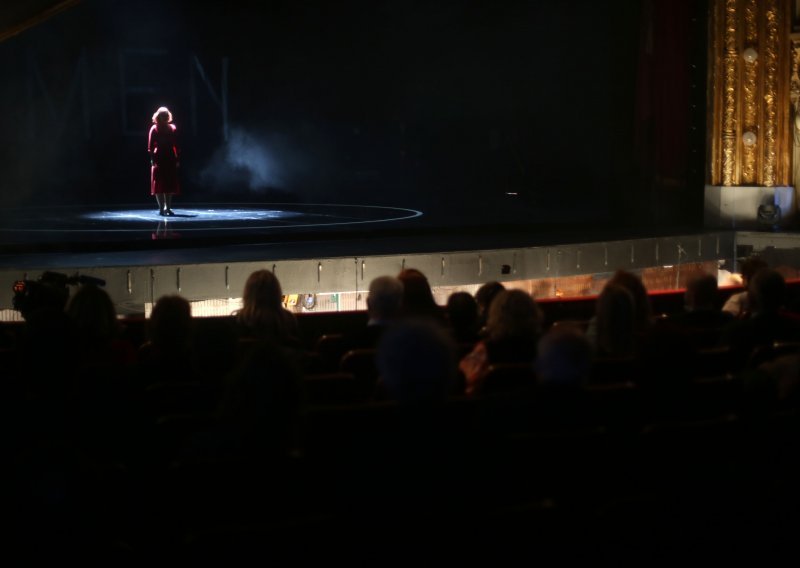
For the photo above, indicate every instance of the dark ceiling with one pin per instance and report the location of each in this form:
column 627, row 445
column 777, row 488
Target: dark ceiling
column 15, row 18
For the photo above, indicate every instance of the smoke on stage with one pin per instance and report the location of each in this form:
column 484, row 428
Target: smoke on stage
column 257, row 163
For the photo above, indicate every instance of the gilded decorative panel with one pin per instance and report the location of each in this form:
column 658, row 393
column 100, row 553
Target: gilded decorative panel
column 750, row 71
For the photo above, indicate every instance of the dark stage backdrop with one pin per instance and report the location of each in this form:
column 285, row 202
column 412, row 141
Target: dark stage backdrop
column 446, row 106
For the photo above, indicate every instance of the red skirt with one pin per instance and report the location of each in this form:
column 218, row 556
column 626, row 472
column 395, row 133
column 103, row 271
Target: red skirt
column 164, row 179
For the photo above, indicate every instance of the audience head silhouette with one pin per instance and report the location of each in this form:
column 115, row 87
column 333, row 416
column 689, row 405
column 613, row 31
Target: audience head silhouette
column 170, row 322
column 641, row 302
column 462, row 313
column 484, row 296
column 767, row 291
column 417, row 295
column 564, row 359
column 261, row 397
column 385, row 298
column 750, row 266
column 702, row 293
column 262, row 313
column 513, row 313
column 92, row 311
column 616, row 321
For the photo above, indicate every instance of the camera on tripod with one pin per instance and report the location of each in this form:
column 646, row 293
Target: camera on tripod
column 50, row 291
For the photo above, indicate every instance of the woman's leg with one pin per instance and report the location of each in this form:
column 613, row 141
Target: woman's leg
column 168, row 201
column 160, row 200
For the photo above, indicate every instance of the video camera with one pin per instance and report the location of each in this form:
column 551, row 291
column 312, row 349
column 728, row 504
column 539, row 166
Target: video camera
column 49, row 291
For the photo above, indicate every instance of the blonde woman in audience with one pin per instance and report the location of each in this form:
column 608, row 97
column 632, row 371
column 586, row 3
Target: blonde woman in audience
column 622, row 316
column 513, row 327
column 642, row 311
column 262, row 315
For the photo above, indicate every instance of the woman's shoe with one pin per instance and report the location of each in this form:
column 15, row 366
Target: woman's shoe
column 169, row 213
column 163, row 213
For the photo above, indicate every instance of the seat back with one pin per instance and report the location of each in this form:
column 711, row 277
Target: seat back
column 177, row 398
column 614, row 370
column 330, row 389
column 713, row 362
column 361, row 364
column 507, row 378
column 330, row 347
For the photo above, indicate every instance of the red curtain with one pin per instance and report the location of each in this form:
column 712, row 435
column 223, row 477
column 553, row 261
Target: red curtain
column 663, row 92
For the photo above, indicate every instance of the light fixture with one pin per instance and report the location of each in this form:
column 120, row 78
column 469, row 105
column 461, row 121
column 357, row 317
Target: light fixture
column 749, row 138
column 769, row 217
column 750, row 55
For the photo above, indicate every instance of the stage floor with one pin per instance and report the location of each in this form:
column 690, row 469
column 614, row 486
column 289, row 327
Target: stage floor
column 206, row 251
column 126, row 223
column 131, row 235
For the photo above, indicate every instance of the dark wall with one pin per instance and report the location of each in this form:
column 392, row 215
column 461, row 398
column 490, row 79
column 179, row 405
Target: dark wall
column 389, row 102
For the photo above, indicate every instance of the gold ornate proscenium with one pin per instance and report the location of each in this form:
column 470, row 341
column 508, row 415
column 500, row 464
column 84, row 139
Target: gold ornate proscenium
column 750, row 64
column 749, row 89
column 794, row 96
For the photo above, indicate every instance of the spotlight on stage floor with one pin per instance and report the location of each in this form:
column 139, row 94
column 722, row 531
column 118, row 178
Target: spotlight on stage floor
column 193, row 215
column 211, row 220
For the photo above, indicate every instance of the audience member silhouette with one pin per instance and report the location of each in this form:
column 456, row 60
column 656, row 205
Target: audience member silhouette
column 262, row 315
column 738, row 305
column 411, row 454
column 563, row 368
column 462, row 315
column 418, row 299
column 258, row 411
column 384, row 304
column 484, row 296
column 613, row 329
column 564, row 359
column 702, row 297
column 767, row 322
column 416, row 362
column 416, row 453
column 513, row 328
column 100, row 398
column 168, row 354
column 97, row 329
column 702, row 319
column 643, row 313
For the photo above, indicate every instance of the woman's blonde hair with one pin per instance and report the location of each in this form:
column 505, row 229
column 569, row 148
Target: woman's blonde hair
column 513, row 313
column 162, row 110
column 262, row 312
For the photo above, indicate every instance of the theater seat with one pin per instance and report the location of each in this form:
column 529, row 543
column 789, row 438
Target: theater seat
column 361, row 364
column 330, row 347
column 330, row 388
column 508, row 377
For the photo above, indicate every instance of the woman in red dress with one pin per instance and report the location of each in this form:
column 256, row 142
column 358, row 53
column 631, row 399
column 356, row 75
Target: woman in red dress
column 162, row 145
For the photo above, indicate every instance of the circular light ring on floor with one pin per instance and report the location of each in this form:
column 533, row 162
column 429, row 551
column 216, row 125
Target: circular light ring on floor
column 203, row 217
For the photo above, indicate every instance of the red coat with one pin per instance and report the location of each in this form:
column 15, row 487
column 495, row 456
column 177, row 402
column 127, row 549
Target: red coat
column 162, row 145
